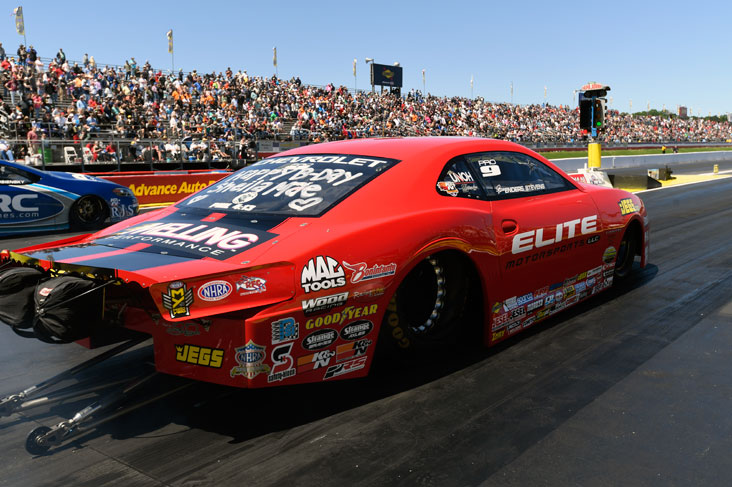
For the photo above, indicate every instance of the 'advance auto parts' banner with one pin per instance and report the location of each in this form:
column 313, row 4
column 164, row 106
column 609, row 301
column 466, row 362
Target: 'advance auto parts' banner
column 165, row 188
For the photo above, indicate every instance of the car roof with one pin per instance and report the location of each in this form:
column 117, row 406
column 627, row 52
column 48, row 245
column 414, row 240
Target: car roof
column 406, row 147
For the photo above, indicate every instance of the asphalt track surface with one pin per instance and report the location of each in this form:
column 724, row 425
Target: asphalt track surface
column 632, row 387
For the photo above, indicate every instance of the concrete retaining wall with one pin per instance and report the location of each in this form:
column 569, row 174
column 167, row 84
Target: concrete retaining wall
column 646, row 161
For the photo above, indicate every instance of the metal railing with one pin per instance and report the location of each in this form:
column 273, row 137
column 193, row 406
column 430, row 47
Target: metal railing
column 120, row 152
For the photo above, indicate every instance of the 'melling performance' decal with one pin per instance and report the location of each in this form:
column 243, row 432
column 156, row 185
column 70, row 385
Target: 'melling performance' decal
column 195, row 237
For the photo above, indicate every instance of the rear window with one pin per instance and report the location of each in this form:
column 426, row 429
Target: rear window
column 302, row 185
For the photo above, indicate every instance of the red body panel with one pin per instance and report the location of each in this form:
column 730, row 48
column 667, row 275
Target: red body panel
column 250, row 322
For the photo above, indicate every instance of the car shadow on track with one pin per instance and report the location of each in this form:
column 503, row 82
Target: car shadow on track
column 243, row 415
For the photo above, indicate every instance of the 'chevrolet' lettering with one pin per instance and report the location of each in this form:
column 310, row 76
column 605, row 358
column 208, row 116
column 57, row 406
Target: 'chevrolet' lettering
column 541, row 237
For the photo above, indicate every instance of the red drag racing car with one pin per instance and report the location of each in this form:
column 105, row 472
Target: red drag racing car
column 297, row 268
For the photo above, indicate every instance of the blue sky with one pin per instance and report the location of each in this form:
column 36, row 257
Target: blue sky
column 650, row 52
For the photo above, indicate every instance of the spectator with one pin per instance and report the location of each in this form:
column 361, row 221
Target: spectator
column 6, row 153
column 2, row 52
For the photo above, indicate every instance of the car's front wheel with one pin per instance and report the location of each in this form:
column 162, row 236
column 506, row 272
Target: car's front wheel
column 88, row 212
column 626, row 252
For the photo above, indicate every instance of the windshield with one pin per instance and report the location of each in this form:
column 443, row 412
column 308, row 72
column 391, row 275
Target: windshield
column 305, row 185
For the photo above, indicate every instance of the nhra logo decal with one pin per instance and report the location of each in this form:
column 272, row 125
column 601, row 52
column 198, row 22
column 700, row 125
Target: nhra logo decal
column 192, row 354
column 283, row 365
column 320, row 339
column 314, row 360
column 250, row 358
column 322, row 273
column 285, row 330
column 178, row 300
column 324, row 303
column 361, row 272
column 345, row 368
column 214, row 290
column 357, row 329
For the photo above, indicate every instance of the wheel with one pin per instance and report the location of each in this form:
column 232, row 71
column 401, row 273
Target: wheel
column 626, row 253
column 424, row 313
column 88, row 212
column 34, row 444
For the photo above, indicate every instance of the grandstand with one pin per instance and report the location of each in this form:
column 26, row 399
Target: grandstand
column 54, row 110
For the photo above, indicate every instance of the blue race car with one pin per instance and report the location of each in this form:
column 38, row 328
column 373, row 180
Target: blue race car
column 37, row 201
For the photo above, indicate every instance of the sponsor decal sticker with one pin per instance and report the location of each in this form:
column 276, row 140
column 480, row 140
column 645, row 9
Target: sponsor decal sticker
column 447, row 187
column 521, row 300
column 193, row 354
column 349, row 313
column 283, row 365
column 320, row 339
column 250, row 358
column 514, row 327
column 371, row 293
column 510, row 304
column 540, row 237
column 285, row 330
column 214, row 290
column 626, row 206
column 357, row 329
column 609, row 255
column 184, row 329
column 198, row 238
column 534, row 305
column 178, row 300
column 520, row 188
column 348, row 351
column 250, row 285
column 345, row 368
column 500, row 321
column 314, row 360
column 321, row 273
column 361, row 271
column 323, row 303
column 528, row 321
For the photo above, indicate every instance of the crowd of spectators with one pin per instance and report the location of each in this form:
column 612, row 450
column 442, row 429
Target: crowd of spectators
column 200, row 116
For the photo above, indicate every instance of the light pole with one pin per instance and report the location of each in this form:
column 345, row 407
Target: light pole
column 424, row 86
column 371, row 60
